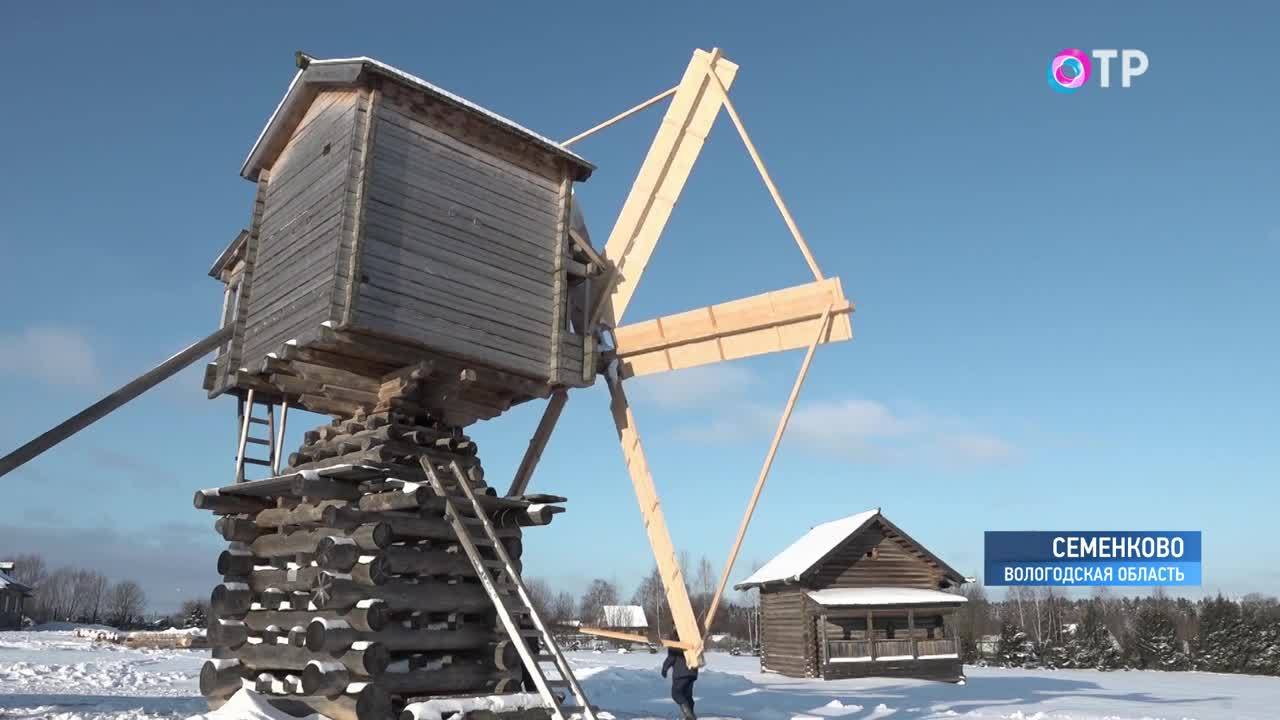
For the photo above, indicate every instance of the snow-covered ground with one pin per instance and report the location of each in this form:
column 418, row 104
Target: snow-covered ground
column 60, row 676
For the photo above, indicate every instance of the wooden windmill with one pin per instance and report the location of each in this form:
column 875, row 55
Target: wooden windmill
column 414, row 264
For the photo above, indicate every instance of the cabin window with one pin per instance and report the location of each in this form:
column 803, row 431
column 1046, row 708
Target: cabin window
column 873, row 554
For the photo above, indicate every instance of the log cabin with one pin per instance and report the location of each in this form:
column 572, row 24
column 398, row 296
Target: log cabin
column 858, row 597
column 395, row 223
column 13, row 595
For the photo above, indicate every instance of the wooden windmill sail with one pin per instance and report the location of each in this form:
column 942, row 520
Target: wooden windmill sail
column 802, row 316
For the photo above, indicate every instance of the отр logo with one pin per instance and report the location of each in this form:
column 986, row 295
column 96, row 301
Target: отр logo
column 1069, row 70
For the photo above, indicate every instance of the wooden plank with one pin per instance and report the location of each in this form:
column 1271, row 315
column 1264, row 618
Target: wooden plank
column 433, row 226
column 560, row 281
column 428, row 127
column 527, row 311
column 538, row 443
column 662, row 176
column 633, row 637
column 438, row 270
column 655, row 525
column 424, row 326
column 378, row 318
column 426, row 163
column 772, row 322
column 413, row 242
column 357, row 188
column 529, row 344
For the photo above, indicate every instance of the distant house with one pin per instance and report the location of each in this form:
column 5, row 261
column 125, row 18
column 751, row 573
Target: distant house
column 858, row 597
column 13, row 595
column 624, row 618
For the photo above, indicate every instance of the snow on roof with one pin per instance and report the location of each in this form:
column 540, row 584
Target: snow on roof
column 884, row 596
column 249, row 169
column 624, row 616
column 7, row 581
column 804, row 553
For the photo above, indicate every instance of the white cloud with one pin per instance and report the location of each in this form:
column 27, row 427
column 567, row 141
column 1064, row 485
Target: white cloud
column 57, row 356
column 694, row 386
column 861, row 430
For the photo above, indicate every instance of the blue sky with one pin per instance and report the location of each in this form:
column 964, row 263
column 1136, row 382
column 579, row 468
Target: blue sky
column 1065, row 302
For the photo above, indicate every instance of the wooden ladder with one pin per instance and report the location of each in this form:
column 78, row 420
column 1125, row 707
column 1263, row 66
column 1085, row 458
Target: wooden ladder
column 273, row 441
column 511, row 599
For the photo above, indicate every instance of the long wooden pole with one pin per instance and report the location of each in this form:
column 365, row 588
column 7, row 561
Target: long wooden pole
column 108, row 404
column 538, row 442
column 621, row 116
column 655, row 525
column 764, row 174
column 764, row 470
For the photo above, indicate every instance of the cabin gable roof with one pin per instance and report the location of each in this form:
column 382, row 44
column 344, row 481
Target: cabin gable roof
column 315, row 75
column 803, row 558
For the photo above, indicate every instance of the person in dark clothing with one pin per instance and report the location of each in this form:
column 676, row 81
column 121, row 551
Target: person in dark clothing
column 682, row 679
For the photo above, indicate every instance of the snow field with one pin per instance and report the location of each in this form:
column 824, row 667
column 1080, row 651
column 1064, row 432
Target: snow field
column 58, row 676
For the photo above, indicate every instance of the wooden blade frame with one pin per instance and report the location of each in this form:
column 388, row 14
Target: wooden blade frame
column 662, row 176
column 768, row 323
column 772, row 322
column 655, row 525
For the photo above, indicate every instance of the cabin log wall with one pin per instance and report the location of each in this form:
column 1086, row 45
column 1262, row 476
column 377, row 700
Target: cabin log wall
column 786, row 638
column 299, row 245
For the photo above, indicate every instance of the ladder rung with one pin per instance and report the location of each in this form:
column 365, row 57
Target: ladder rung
column 258, row 421
column 482, row 541
column 530, row 632
column 494, row 564
column 544, row 657
column 257, row 441
column 256, row 461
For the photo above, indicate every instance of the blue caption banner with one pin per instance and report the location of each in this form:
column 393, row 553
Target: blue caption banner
column 1088, row 557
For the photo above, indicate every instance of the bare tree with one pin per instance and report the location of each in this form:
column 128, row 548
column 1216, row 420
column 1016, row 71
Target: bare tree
column 125, row 603
column 562, row 608
column 540, row 595
column 651, row 596
column 30, row 569
column 599, row 593
column 90, row 590
column 704, row 586
column 55, row 597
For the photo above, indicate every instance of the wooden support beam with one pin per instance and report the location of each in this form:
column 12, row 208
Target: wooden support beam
column 723, row 91
column 633, row 637
column 621, row 116
column 655, row 525
column 110, row 403
column 771, row 322
column 662, row 176
column 764, row 469
column 538, row 442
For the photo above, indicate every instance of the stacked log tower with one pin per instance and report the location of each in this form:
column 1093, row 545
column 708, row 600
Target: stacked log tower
column 345, row 590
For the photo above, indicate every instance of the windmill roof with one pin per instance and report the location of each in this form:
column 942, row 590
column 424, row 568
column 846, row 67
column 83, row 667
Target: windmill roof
column 340, row 72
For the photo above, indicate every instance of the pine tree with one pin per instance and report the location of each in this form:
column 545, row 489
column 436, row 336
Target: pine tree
column 1013, row 648
column 1156, row 638
column 1220, row 644
column 1092, row 646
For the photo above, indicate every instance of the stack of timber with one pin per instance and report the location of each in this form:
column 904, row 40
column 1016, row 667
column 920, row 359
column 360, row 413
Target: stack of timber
column 345, row 591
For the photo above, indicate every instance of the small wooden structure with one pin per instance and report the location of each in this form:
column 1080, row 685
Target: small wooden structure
column 858, row 597
column 13, row 596
column 394, row 223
